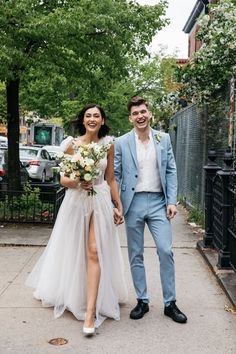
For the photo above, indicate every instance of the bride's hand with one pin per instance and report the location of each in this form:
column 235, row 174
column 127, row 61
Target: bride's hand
column 118, row 216
column 86, row 185
column 68, row 182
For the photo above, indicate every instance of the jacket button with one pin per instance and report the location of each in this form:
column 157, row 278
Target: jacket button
column 136, row 176
column 132, row 189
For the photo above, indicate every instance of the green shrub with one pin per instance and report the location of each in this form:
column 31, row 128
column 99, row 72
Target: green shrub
column 23, row 204
column 196, row 215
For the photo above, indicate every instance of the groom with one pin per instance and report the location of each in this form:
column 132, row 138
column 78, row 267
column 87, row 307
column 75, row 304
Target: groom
column 146, row 172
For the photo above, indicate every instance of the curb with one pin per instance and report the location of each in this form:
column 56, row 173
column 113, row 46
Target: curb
column 225, row 277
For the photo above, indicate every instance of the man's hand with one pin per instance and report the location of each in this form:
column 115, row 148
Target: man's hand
column 171, row 211
column 118, row 216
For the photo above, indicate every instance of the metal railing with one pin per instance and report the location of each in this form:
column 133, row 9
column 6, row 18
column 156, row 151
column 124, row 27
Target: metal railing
column 39, row 204
column 232, row 223
column 220, row 209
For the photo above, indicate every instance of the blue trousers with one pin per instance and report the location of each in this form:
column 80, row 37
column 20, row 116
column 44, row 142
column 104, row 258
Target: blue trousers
column 150, row 208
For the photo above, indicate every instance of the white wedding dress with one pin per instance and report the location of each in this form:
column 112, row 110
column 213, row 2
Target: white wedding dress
column 59, row 276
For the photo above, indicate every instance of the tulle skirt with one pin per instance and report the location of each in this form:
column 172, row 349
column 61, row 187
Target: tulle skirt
column 59, row 276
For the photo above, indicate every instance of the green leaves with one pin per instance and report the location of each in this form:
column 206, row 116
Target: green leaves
column 215, row 62
column 67, row 53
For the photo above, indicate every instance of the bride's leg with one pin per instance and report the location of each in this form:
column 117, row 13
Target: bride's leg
column 93, row 275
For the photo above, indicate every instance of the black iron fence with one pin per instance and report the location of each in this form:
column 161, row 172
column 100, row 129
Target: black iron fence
column 220, row 209
column 232, row 224
column 37, row 203
column 193, row 131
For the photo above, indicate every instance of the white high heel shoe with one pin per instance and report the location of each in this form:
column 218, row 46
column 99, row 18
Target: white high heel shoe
column 88, row 331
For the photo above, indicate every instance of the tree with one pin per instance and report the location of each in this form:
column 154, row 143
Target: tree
column 214, row 63
column 78, row 44
column 154, row 78
column 2, row 103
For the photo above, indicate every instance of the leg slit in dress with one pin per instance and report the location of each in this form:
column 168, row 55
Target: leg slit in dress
column 93, row 269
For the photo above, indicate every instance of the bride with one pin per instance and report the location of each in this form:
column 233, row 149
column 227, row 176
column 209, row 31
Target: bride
column 81, row 269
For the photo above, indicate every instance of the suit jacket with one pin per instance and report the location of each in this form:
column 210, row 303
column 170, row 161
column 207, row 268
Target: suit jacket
column 126, row 166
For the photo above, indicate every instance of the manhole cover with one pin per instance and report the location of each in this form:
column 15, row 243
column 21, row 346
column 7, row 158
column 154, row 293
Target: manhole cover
column 58, row 341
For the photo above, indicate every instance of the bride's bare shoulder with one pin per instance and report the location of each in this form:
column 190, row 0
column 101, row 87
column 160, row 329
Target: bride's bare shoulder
column 70, row 145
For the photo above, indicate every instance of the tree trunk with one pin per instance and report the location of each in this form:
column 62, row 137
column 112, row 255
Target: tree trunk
column 13, row 132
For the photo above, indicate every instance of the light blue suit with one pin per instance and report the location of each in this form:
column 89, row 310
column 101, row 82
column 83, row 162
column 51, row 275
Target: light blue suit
column 149, row 208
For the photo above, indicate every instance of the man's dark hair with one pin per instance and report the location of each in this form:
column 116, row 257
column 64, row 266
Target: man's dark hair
column 103, row 131
column 136, row 101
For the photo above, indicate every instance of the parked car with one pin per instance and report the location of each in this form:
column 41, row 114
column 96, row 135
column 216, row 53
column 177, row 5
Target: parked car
column 4, row 170
column 2, row 164
column 53, row 151
column 38, row 162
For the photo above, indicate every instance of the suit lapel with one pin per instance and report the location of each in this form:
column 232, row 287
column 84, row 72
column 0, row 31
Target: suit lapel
column 132, row 147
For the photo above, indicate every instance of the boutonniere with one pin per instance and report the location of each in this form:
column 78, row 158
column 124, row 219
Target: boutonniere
column 158, row 137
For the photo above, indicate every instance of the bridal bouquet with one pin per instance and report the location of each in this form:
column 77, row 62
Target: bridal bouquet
column 84, row 164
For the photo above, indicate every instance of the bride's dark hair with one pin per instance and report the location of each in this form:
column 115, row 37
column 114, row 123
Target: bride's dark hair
column 103, row 131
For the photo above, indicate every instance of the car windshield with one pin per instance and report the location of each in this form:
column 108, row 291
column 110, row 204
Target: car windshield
column 53, row 153
column 28, row 153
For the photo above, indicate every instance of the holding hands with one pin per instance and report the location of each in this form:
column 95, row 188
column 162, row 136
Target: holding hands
column 118, row 216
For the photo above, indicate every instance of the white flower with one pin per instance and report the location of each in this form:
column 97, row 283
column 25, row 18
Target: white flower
column 73, row 175
column 87, row 177
column 89, row 161
column 158, row 137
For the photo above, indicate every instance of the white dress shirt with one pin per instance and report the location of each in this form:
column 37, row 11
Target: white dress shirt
column 149, row 175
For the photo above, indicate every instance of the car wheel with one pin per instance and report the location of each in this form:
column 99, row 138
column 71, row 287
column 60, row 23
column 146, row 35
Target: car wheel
column 43, row 178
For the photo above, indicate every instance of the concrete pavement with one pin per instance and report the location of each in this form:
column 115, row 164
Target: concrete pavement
column 26, row 327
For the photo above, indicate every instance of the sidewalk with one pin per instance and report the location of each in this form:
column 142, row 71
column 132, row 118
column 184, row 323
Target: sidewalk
column 27, row 328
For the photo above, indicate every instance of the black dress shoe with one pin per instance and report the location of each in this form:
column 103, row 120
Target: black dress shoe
column 173, row 312
column 139, row 311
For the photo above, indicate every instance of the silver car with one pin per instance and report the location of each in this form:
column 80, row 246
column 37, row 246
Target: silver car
column 53, row 151
column 38, row 162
